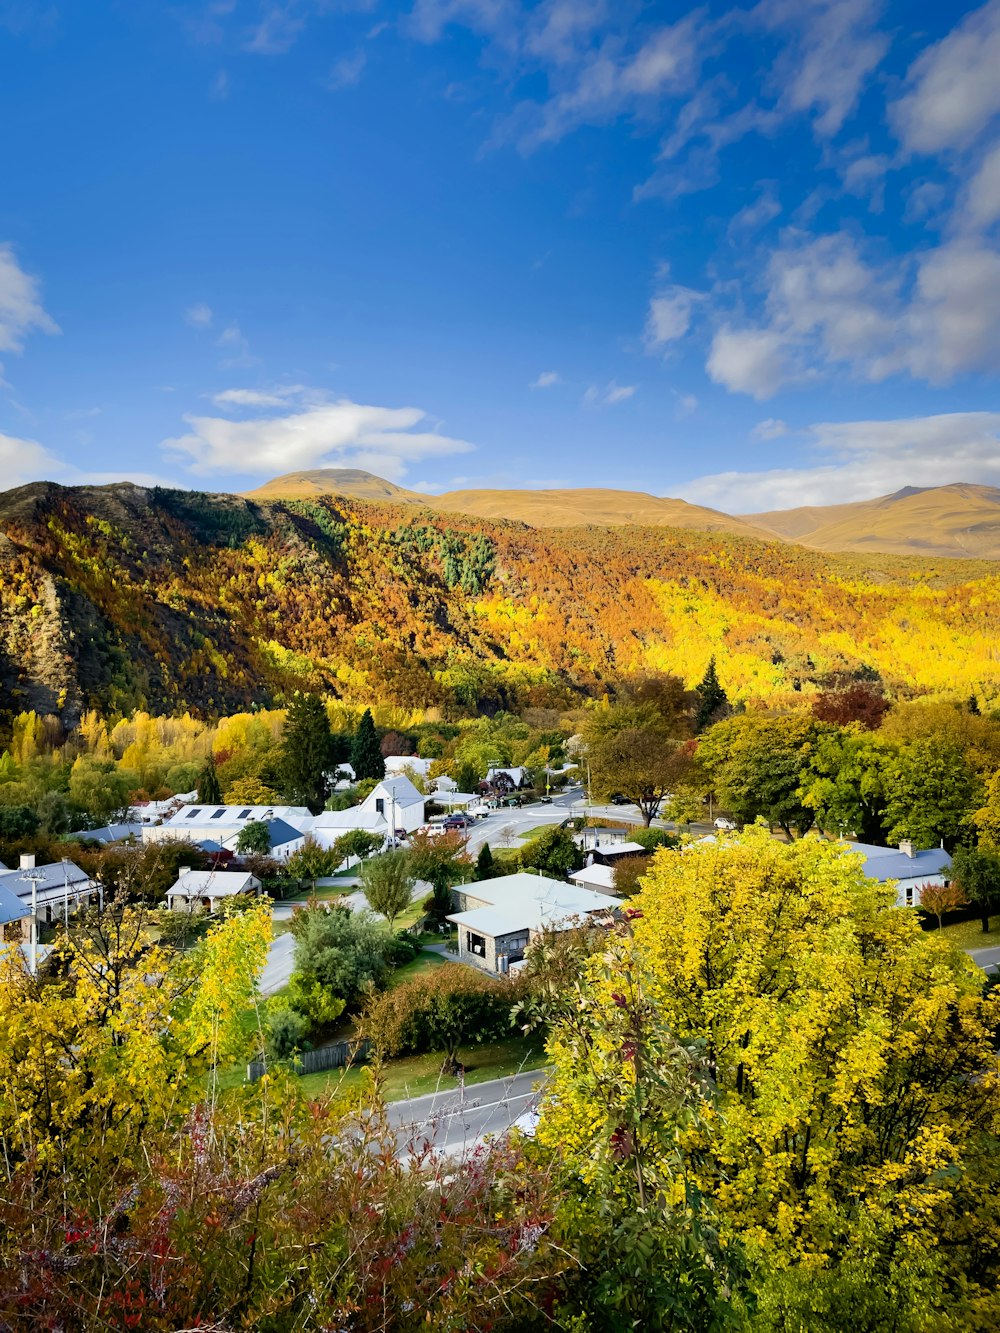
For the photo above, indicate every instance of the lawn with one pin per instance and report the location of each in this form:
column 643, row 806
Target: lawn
column 424, row 962
column 416, row 1075
column 969, row 934
column 536, row 830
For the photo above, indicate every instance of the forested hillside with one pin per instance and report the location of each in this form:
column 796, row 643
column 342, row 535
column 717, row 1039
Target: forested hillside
column 120, row 597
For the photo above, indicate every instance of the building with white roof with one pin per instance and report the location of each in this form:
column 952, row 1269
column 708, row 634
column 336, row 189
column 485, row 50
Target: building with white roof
column 598, row 877
column 398, row 802
column 56, row 889
column 208, row 888
column 498, row 918
column 330, row 825
column 223, row 823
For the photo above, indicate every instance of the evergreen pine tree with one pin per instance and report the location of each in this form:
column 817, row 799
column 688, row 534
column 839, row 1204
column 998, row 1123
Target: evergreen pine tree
column 484, row 862
column 366, row 754
column 713, row 697
column 208, row 790
column 306, row 752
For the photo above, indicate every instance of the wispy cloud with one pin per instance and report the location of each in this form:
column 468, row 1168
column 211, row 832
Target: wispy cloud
column 546, row 380
column 346, row 72
column 232, row 339
column 609, row 394
column 858, row 460
column 21, row 310
column 386, row 440
column 199, row 315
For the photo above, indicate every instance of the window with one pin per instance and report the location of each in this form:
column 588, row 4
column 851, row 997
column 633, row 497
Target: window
column 219, row 813
column 380, row 805
column 244, row 814
column 192, row 814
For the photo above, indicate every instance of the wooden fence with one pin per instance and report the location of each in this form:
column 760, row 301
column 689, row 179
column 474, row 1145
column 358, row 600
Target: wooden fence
column 311, row 1062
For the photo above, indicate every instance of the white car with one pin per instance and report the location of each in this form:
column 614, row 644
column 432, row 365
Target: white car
column 724, row 825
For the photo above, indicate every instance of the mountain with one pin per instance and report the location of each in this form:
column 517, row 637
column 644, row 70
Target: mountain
column 352, row 481
column 121, row 597
column 960, row 520
column 540, row 509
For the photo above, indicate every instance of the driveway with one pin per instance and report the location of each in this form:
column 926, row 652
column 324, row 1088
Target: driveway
column 280, row 964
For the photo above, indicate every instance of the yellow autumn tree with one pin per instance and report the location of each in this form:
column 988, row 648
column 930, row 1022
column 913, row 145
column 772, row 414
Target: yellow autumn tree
column 848, row 1127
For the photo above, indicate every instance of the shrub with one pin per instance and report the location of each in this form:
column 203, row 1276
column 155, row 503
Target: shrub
column 440, row 1011
column 287, row 1031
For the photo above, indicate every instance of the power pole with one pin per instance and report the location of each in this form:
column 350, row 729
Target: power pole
column 35, row 877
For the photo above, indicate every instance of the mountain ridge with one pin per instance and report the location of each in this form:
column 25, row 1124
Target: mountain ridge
column 960, row 520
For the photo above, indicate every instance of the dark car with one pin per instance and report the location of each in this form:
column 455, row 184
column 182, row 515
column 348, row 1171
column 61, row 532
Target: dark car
column 619, row 799
column 459, row 821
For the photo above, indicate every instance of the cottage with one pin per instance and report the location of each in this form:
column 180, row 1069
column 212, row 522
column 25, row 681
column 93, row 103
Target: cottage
column 589, row 839
column 595, row 876
column 333, row 824
column 206, row 889
column 56, row 889
column 498, row 918
column 911, row 869
column 398, row 802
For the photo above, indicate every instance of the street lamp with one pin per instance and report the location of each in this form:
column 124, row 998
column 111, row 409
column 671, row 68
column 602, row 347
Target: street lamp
column 33, row 876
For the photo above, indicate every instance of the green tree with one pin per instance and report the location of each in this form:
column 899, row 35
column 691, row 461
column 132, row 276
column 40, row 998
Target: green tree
column 553, row 853
column 931, row 792
column 388, row 882
column 346, row 953
column 357, row 843
column 443, row 861
column 976, row 870
column 756, row 763
column 633, row 750
column 712, row 699
column 843, row 783
column 366, row 752
column 100, row 787
column 311, row 862
column 208, row 788
column 254, row 838
column 306, row 752
column 485, row 868
column 17, row 821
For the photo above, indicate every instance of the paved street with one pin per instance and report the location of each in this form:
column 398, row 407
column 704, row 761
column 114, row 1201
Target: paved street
column 278, row 967
column 987, row 959
column 456, row 1121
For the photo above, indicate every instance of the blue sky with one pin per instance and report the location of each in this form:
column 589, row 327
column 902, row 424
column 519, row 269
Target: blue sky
column 748, row 255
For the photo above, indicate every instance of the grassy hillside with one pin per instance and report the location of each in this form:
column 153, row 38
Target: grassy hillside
column 959, row 520
column 120, row 597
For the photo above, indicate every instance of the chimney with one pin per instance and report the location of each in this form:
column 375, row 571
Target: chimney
column 183, row 870
column 907, row 848
column 27, row 860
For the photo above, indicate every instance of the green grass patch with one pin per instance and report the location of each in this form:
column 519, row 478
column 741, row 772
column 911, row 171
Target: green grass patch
column 416, row 1075
column 537, row 830
column 424, row 962
column 969, row 934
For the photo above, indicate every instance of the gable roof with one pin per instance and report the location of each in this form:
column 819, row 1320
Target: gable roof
column 355, row 817
column 884, row 863
column 213, row 883
column 529, row 902
column 49, row 879
column 398, row 788
column 212, row 816
column 595, row 877
column 11, row 907
column 282, row 832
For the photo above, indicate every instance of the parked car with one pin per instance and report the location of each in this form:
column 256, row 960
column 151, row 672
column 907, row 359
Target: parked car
column 459, row 821
column 724, row 825
column 545, row 800
column 619, row 799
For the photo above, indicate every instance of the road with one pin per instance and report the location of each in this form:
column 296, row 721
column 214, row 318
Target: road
column 456, row 1122
column 987, row 959
column 279, row 965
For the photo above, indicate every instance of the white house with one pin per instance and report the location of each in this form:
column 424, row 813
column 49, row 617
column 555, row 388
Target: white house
column 330, row 825
column 222, row 823
column 398, row 802
column 911, row 869
column 498, row 918
column 208, row 888
column 597, row 877
column 589, row 839
column 57, row 889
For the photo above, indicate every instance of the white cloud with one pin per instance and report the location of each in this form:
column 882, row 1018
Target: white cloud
column 771, row 429
column 748, row 361
column 832, row 53
column 953, row 87
column 232, row 337
column 981, row 206
column 199, row 315
column 864, row 459
column 277, row 32
column 21, row 309
column 275, row 397
column 546, row 380
column 669, row 315
column 220, row 86
column 346, row 72
column 342, row 433
column 611, row 393
column 764, row 209
column 22, row 461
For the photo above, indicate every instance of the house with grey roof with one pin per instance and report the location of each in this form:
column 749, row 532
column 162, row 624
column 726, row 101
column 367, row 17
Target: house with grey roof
column 206, row 890
column 498, row 918
column 910, row 868
column 57, row 889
